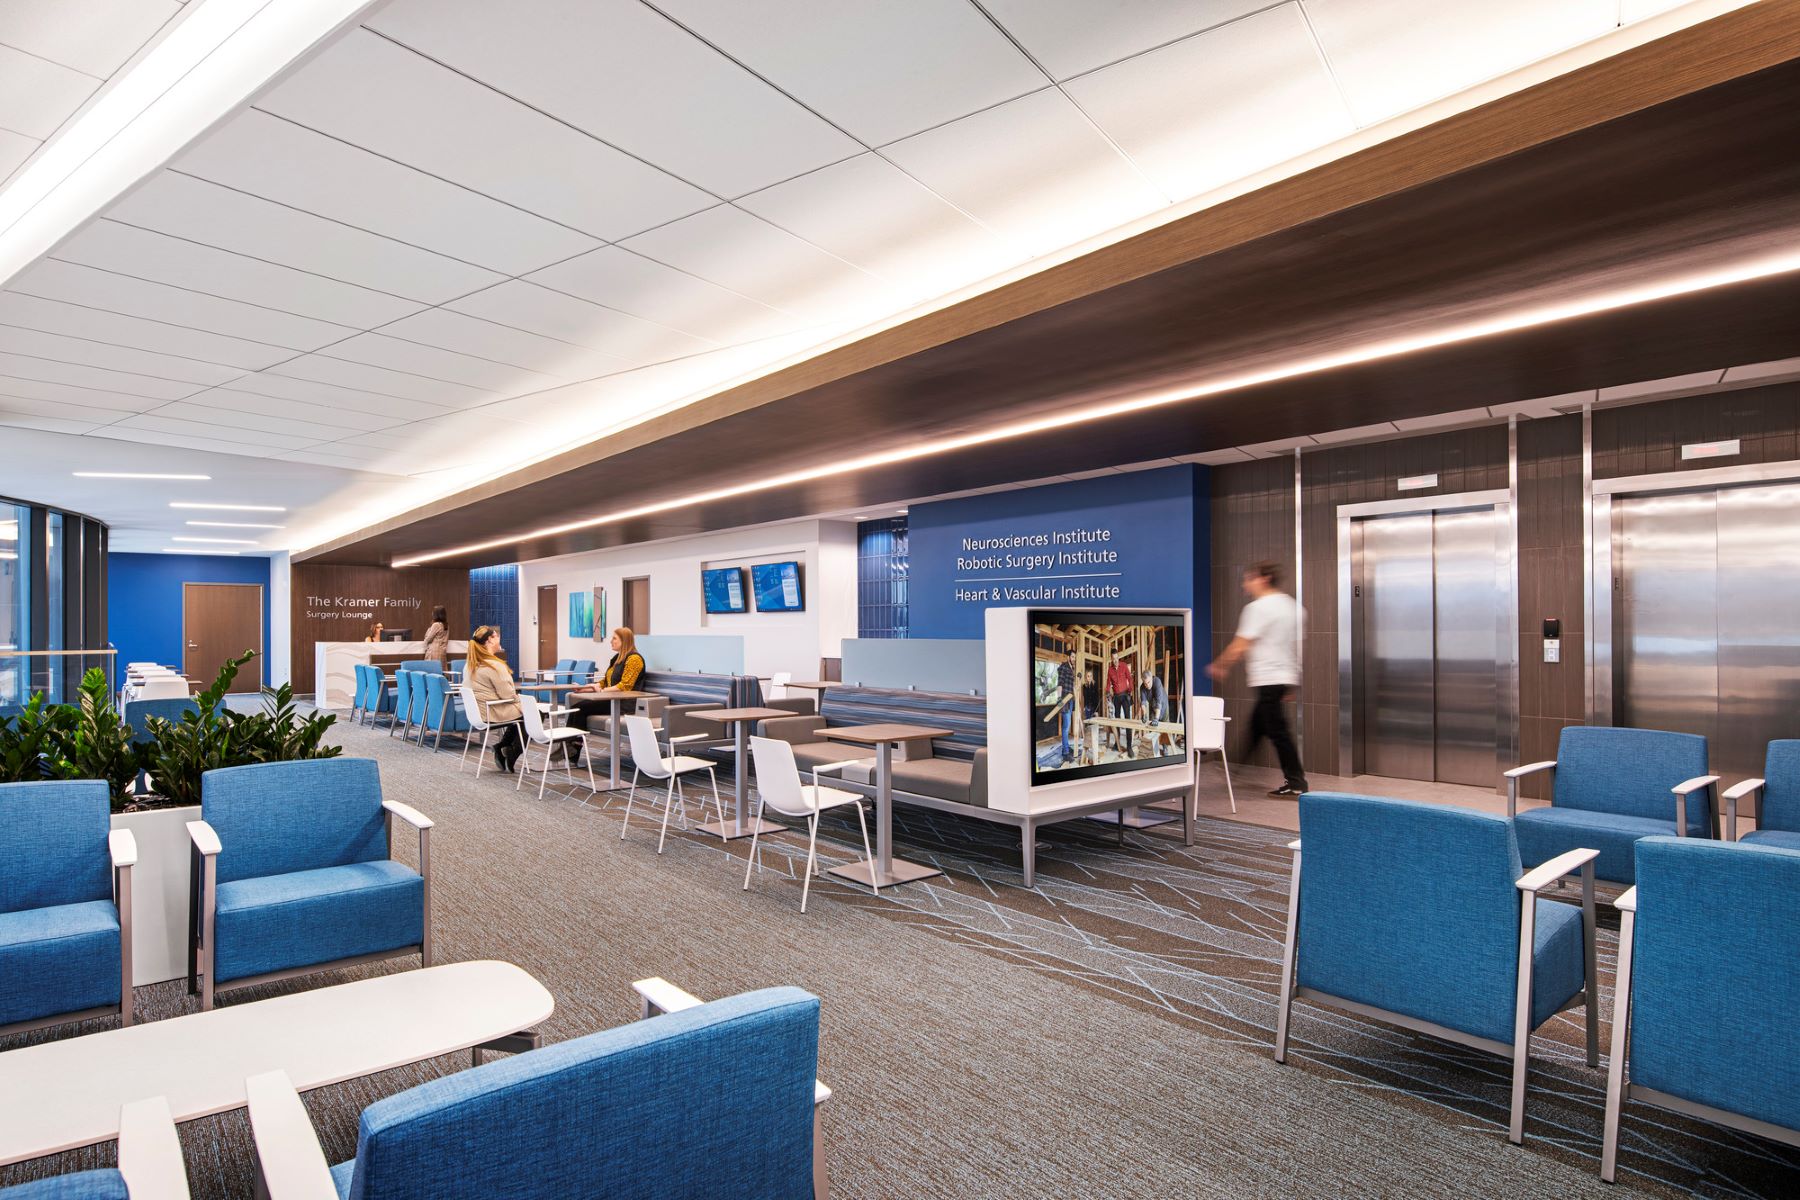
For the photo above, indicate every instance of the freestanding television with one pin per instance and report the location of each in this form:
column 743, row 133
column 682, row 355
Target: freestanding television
column 1107, row 691
column 778, row 587
column 724, row 589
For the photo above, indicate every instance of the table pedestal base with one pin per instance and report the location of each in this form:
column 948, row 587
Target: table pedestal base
column 731, row 831
column 899, row 871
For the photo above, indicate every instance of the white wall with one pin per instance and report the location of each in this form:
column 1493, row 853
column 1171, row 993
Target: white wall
column 772, row 641
column 281, row 619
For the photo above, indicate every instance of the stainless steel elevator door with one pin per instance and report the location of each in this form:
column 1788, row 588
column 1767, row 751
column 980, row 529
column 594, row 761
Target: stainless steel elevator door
column 1399, row 727
column 1468, row 608
column 1759, row 625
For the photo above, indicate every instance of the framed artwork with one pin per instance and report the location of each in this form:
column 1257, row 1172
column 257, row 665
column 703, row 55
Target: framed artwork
column 601, row 628
column 581, row 615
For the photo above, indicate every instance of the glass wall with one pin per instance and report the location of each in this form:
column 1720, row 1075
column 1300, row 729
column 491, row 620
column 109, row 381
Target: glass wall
column 52, row 601
column 881, row 578
column 15, row 599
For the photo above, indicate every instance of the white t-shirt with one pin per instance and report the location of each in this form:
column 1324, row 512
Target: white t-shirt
column 1272, row 625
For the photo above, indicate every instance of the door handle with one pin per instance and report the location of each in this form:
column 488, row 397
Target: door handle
column 193, row 645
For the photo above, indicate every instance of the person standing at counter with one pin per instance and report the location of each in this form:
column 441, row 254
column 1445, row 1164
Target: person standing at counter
column 621, row 675
column 437, row 638
column 1268, row 640
column 492, row 682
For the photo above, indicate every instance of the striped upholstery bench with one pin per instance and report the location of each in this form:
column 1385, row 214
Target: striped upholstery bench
column 681, row 692
column 955, row 769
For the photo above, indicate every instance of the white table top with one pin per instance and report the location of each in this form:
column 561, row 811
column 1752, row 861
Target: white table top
column 58, row 1095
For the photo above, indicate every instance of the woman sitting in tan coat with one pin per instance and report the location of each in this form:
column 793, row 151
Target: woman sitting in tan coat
column 491, row 680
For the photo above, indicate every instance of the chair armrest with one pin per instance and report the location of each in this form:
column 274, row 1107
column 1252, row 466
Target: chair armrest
column 659, row 995
column 1682, row 791
column 123, row 847
column 691, row 737
column 1627, row 902
column 407, row 813
column 1733, row 794
column 1294, row 846
column 205, row 840
column 838, row 768
column 1545, row 874
column 288, row 1157
column 1548, row 764
column 150, row 1152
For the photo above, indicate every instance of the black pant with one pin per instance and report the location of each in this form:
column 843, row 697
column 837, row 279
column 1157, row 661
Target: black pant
column 1121, row 709
column 1269, row 720
column 506, row 742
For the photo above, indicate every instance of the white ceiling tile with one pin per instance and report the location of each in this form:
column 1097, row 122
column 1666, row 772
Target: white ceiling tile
column 397, row 103
column 539, row 310
column 325, row 460
column 39, row 344
column 72, row 320
column 868, row 212
column 44, row 370
column 282, row 387
column 21, row 420
column 1637, row 10
column 199, row 211
column 278, row 160
column 36, row 95
column 145, row 254
column 502, row 343
column 248, row 419
column 336, row 416
column 29, row 407
column 93, row 288
column 1071, row 36
column 447, row 366
column 15, row 148
column 64, row 393
column 1034, row 170
column 381, row 381
column 629, row 76
column 751, row 257
column 640, row 287
column 96, row 37
column 222, row 430
column 362, row 449
column 1219, row 105
column 184, row 440
column 1391, row 56
column 880, row 71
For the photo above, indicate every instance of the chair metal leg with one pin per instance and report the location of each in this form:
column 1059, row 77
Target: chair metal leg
column 812, row 858
column 544, row 777
column 629, row 797
column 1590, row 999
column 1621, row 1049
column 869, row 854
column 668, row 807
column 1522, row 1017
column 1230, row 794
column 718, row 804
column 1286, row 1007
column 524, row 764
column 755, row 832
column 464, row 760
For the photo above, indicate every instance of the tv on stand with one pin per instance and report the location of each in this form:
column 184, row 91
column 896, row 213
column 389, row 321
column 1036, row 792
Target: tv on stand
column 1107, row 692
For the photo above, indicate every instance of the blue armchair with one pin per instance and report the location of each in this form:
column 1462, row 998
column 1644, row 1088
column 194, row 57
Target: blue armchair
column 1702, row 1007
column 422, row 664
column 1450, row 940
column 403, row 690
column 150, row 1165
column 659, row 1110
column 443, row 711
column 1777, row 799
column 1611, row 787
column 377, row 696
column 292, row 874
column 65, row 905
column 580, row 671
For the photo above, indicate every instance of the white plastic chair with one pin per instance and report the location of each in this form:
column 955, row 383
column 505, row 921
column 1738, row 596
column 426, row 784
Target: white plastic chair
column 647, row 759
column 163, row 687
column 532, row 722
column 1206, row 735
column 778, row 786
column 778, row 684
column 477, row 721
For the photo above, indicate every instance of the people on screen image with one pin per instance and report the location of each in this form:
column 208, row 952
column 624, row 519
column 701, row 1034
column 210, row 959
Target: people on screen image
column 1065, row 701
column 1153, row 710
column 1118, row 686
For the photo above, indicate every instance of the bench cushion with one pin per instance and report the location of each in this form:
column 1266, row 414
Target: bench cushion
column 1545, row 833
column 105, row 1184
column 58, row 960
column 943, row 778
column 964, row 716
column 1783, row 838
column 278, row 922
column 814, row 754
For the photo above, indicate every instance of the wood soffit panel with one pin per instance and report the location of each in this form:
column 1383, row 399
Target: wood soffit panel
column 1666, row 159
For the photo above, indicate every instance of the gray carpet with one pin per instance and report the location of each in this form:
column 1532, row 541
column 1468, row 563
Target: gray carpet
column 958, row 1070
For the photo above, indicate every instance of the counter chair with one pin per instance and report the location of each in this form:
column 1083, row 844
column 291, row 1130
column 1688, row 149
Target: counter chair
column 293, row 873
column 65, row 905
column 1702, row 1005
column 1420, row 915
column 647, row 760
column 150, row 1164
column 478, row 722
column 1206, row 735
column 1610, row 787
column 778, row 787
column 550, row 738
column 1776, row 796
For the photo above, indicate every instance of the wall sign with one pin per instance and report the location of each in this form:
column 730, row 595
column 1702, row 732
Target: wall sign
column 332, row 603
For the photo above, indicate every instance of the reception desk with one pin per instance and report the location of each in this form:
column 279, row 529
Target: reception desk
column 335, row 663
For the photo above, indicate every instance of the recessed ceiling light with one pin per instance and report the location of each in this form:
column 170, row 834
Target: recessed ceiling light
column 228, row 507
column 218, row 541
column 133, row 475
column 899, row 512
column 168, row 550
column 232, row 525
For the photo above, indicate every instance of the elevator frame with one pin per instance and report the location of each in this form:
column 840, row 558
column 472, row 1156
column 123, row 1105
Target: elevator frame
column 1503, row 502
column 1600, row 563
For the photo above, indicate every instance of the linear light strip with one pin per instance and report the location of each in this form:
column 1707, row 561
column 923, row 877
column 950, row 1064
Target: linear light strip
column 135, row 475
column 228, row 507
column 230, row 525
column 1450, row 335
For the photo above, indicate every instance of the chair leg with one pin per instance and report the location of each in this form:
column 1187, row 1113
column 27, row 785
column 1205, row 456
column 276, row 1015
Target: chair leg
column 544, row 778
column 1590, row 999
column 629, row 797
column 1522, row 1017
column 755, row 832
column 587, row 760
column 718, row 804
column 1621, row 1049
column 668, row 807
column 464, row 760
column 812, row 857
column 1286, row 1006
column 1230, row 794
column 523, row 767
column 869, row 854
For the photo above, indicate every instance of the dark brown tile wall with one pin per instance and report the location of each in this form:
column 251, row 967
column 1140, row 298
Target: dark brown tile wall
column 1646, row 439
column 1551, row 695
column 1252, row 519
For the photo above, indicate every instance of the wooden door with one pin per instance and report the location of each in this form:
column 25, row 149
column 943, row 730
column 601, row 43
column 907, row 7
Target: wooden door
column 546, row 628
column 637, row 606
column 220, row 621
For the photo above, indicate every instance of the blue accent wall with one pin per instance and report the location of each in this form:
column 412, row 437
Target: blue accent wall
column 1140, row 538
column 143, row 604
column 494, row 600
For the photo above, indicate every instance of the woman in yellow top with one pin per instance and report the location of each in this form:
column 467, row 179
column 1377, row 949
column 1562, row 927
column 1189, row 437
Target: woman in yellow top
column 491, row 680
column 621, row 675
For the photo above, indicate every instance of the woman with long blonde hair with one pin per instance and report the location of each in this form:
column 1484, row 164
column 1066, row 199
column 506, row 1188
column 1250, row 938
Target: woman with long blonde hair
column 492, row 682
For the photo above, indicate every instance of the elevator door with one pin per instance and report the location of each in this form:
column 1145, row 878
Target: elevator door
column 1429, row 587
column 1708, row 628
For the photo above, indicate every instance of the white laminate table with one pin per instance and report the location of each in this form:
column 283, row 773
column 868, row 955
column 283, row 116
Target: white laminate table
column 55, row 1096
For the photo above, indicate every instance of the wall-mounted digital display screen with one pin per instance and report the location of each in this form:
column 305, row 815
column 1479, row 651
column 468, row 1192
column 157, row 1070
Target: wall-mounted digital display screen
column 1108, row 692
column 724, row 588
column 778, row 587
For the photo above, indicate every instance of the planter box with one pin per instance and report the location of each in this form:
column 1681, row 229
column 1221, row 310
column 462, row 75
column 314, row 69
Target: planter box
column 159, row 892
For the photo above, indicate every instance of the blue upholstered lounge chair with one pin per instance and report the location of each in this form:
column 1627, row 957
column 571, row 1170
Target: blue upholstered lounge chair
column 150, row 1165
column 1778, row 799
column 422, row 664
column 1708, row 971
column 710, row 1102
column 1611, row 787
column 580, row 671
column 403, row 690
column 1419, row 915
column 378, row 697
column 65, row 905
column 443, row 711
column 293, row 874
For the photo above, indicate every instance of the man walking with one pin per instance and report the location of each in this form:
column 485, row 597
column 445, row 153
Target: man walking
column 1268, row 639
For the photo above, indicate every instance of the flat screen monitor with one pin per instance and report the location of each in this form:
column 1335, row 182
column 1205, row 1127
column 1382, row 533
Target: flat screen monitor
column 778, row 587
column 1108, row 691
column 396, row 635
column 724, row 589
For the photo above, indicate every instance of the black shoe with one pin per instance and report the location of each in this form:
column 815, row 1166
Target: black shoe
column 1287, row 789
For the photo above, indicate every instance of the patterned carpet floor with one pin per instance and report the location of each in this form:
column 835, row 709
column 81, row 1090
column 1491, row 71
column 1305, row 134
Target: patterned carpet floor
column 1106, row 1034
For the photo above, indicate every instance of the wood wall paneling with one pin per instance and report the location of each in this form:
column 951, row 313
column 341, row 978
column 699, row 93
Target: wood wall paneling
column 404, row 599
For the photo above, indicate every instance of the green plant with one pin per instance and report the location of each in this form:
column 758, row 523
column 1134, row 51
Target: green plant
column 95, row 742
column 30, row 742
